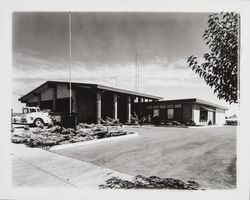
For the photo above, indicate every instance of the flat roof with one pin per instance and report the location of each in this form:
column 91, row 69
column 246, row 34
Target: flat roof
column 91, row 86
column 195, row 100
column 190, row 100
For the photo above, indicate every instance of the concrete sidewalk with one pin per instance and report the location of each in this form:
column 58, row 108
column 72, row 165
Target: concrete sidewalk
column 33, row 167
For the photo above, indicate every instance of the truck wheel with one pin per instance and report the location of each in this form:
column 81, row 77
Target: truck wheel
column 38, row 122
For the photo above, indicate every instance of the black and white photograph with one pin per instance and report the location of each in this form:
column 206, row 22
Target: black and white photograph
column 125, row 100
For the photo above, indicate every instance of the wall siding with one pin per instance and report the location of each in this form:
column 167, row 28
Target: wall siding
column 220, row 116
column 33, row 99
column 47, row 94
column 86, row 105
column 187, row 112
column 63, row 91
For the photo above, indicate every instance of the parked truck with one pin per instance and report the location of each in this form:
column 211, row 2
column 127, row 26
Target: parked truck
column 34, row 116
column 232, row 120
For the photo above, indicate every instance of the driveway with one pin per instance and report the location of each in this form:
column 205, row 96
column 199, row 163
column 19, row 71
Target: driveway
column 205, row 155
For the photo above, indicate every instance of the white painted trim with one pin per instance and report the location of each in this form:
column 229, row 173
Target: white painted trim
column 206, row 126
column 137, row 126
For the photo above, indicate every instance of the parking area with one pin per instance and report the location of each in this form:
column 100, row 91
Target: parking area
column 205, row 155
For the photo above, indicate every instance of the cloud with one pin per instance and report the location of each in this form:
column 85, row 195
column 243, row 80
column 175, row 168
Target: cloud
column 158, row 77
column 29, row 60
column 157, row 72
column 180, row 63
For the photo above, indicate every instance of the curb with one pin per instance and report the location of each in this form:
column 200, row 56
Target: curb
column 65, row 146
column 205, row 126
column 136, row 126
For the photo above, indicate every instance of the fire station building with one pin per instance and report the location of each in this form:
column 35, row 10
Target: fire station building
column 91, row 102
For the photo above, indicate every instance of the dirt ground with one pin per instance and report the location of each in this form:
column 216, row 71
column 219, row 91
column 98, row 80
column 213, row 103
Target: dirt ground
column 205, row 155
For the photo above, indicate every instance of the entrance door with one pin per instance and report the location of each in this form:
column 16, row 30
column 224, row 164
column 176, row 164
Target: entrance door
column 210, row 117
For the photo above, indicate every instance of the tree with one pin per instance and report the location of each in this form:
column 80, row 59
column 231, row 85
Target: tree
column 220, row 68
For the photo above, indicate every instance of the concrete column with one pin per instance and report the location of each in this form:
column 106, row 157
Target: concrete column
column 98, row 107
column 129, row 108
column 115, row 106
column 54, row 98
column 192, row 113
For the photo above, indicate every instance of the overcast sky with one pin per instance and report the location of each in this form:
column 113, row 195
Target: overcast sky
column 104, row 46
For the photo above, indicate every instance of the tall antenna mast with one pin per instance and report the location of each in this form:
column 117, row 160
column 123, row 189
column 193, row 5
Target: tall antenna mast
column 136, row 72
column 138, row 80
column 70, row 95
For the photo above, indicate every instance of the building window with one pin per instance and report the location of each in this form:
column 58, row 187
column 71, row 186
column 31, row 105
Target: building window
column 170, row 106
column 203, row 115
column 156, row 112
column 177, row 105
column 170, row 113
column 163, row 106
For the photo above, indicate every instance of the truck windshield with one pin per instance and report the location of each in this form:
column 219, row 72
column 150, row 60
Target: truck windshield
column 32, row 110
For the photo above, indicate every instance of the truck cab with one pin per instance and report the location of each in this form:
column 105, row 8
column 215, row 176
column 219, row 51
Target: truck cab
column 34, row 116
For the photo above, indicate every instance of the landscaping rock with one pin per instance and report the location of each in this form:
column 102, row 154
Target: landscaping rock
column 18, row 140
column 152, row 182
column 111, row 122
column 68, row 131
column 47, row 137
column 55, row 129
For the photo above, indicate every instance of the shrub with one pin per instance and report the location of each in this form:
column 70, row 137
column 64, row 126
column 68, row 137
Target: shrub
column 190, row 123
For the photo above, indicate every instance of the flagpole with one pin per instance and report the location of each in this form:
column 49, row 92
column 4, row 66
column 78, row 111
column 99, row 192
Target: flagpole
column 70, row 92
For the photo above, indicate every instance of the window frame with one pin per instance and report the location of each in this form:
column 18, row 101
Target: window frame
column 203, row 117
column 172, row 116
